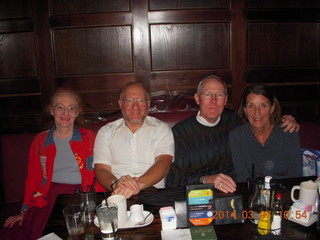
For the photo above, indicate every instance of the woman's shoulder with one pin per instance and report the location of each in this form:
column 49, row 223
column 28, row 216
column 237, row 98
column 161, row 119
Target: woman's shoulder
column 85, row 131
column 240, row 129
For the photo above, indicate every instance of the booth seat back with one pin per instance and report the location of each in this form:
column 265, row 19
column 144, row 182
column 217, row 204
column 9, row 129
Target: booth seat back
column 15, row 150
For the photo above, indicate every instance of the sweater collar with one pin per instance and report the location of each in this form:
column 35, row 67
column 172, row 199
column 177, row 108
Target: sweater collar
column 76, row 136
column 204, row 122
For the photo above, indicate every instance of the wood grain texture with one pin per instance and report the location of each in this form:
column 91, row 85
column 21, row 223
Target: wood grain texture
column 93, row 50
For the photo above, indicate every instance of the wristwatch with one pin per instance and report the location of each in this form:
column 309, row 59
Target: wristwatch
column 113, row 182
column 202, row 179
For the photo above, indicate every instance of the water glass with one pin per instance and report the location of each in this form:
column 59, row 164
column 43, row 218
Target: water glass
column 318, row 213
column 74, row 218
column 87, row 199
column 108, row 220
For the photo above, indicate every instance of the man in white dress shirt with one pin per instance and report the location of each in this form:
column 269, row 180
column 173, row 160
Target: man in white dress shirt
column 136, row 151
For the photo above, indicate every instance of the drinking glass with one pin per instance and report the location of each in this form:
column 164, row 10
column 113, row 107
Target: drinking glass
column 87, row 199
column 74, row 218
column 108, row 220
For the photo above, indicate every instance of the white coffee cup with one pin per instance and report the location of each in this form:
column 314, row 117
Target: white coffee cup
column 121, row 202
column 136, row 213
column 308, row 192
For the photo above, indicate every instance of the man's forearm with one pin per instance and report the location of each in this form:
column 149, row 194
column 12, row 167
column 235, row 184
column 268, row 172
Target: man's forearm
column 104, row 176
column 155, row 173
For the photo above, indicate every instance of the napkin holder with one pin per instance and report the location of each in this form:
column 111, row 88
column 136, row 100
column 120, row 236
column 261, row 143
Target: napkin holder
column 300, row 215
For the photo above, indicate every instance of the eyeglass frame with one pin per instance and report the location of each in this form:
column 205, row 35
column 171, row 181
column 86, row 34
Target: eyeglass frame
column 209, row 95
column 63, row 109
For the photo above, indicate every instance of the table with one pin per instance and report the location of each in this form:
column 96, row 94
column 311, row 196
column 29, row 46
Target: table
column 244, row 230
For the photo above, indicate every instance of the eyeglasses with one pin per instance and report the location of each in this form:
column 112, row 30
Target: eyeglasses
column 59, row 108
column 139, row 101
column 209, row 95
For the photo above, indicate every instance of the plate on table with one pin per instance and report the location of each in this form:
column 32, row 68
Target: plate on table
column 306, row 224
column 130, row 224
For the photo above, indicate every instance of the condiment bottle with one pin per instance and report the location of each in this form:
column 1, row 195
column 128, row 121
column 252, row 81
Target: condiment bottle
column 264, row 223
column 257, row 203
column 276, row 215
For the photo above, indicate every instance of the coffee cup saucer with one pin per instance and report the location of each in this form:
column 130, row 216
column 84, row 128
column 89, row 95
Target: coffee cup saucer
column 311, row 221
column 130, row 224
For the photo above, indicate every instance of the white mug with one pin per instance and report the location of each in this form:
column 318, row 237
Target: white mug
column 308, row 192
column 121, row 202
column 136, row 213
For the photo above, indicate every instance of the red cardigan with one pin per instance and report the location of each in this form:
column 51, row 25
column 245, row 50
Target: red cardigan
column 41, row 162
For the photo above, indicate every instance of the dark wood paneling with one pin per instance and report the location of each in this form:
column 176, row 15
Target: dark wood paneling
column 19, row 86
column 97, row 46
column 283, row 44
column 284, row 14
column 283, row 4
column 187, row 4
column 301, row 110
column 19, row 25
column 183, row 81
column 141, row 41
column 15, row 9
column 238, row 51
column 190, row 46
column 106, row 19
column 43, row 43
column 29, row 123
column 188, row 16
column 17, row 58
column 100, row 101
column 93, row 50
column 18, row 105
column 283, row 75
column 65, row 7
column 297, row 93
column 95, row 82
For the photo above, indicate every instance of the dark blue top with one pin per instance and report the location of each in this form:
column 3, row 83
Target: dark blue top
column 280, row 157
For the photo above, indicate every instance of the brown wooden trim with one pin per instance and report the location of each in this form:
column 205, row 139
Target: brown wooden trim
column 311, row 14
column 238, row 50
column 102, row 19
column 43, row 50
column 141, row 42
column 185, row 16
column 19, row 25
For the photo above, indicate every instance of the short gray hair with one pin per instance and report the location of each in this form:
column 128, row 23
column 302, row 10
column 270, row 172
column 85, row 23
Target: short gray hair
column 210, row 77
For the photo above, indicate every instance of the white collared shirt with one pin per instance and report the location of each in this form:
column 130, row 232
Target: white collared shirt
column 133, row 153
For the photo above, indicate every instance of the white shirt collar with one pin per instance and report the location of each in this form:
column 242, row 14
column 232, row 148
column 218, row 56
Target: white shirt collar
column 204, row 122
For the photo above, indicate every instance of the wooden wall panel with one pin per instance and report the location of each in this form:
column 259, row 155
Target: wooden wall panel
column 190, row 46
column 11, row 9
column 285, row 75
column 274, row 4
column 283, row 44
column 17, row 105
column 187, row 4
column 93, row 50
column 66, row 7
column 97, row 82
column 97, row 46
column 17, row 58
column 16, row 86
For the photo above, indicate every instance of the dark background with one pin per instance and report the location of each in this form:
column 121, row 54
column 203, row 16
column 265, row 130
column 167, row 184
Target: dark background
column 96, row 46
